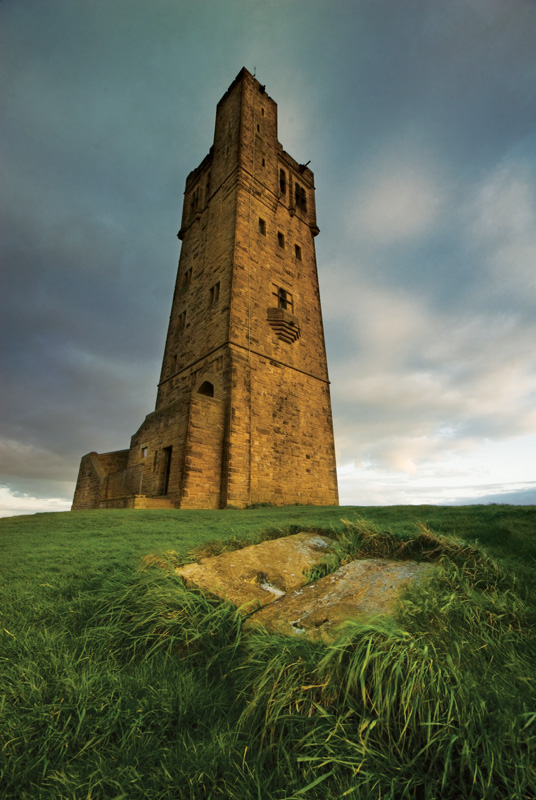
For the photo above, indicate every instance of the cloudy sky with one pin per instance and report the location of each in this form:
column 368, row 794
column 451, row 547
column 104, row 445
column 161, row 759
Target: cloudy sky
column 419, row 118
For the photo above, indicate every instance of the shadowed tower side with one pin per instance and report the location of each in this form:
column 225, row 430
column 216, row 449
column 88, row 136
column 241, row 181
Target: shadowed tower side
column 243, row 410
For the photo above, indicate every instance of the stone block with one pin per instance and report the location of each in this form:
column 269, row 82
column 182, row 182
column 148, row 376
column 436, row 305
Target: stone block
column 360, row 590
column 257, row 575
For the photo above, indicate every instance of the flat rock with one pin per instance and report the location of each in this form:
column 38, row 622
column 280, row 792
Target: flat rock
column 260, row 574
column 359, row 590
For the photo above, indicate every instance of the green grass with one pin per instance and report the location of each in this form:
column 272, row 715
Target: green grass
column 116, row 682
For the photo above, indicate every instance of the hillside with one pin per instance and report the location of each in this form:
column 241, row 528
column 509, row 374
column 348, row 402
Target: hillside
column 116, row 682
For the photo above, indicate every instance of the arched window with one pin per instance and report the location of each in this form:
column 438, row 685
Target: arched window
column 207, row 389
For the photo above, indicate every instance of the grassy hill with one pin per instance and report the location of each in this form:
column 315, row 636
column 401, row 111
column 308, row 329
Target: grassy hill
column 115, row 682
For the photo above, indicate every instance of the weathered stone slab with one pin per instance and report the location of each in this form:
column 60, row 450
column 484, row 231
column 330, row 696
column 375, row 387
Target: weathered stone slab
column 359, row 590
column 259, row 574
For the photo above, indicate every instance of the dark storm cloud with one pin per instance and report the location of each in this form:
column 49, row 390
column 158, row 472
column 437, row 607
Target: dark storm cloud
column 419, row 120
column 108, row 107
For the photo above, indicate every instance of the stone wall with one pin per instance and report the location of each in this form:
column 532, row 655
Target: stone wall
column 281, row 442
column 92, row 483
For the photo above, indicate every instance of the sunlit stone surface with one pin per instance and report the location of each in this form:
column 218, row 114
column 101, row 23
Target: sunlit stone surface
column 269, row 580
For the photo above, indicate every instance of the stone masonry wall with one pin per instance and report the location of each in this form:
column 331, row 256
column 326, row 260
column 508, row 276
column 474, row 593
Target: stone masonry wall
column 281, row 441
column 93, row 477
column 194, row 469
column 281, row 436
column 203, row 454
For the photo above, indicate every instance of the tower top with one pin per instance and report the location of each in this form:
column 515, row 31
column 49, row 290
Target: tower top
column 244, row 75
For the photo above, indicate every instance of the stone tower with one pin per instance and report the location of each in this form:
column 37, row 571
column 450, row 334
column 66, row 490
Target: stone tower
column 243, row 411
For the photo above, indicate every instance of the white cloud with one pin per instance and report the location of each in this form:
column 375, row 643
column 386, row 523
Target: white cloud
column 419, row 385
column 479, row 471
column 505, row 203
column 398, row 198
column 502, row 218
column 14, row 503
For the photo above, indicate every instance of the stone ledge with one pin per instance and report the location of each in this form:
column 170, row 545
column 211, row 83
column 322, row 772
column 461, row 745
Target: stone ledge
column 284, row 324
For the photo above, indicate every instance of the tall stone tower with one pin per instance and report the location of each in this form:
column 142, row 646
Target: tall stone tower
column 243, row 411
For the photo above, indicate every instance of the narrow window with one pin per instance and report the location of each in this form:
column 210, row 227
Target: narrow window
column 207, row 389
column 144, row 452
column 284, row 299
column 297, row 251
column 165, row 470
column 300, row 197
column 194, row 201
column 186, row 278
column 263, row 162
column 181, row 321
column 262, row 226
column 282, row 181
column 281, row 239
column 214, row 294
column 262, row 111
column 258, row 128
